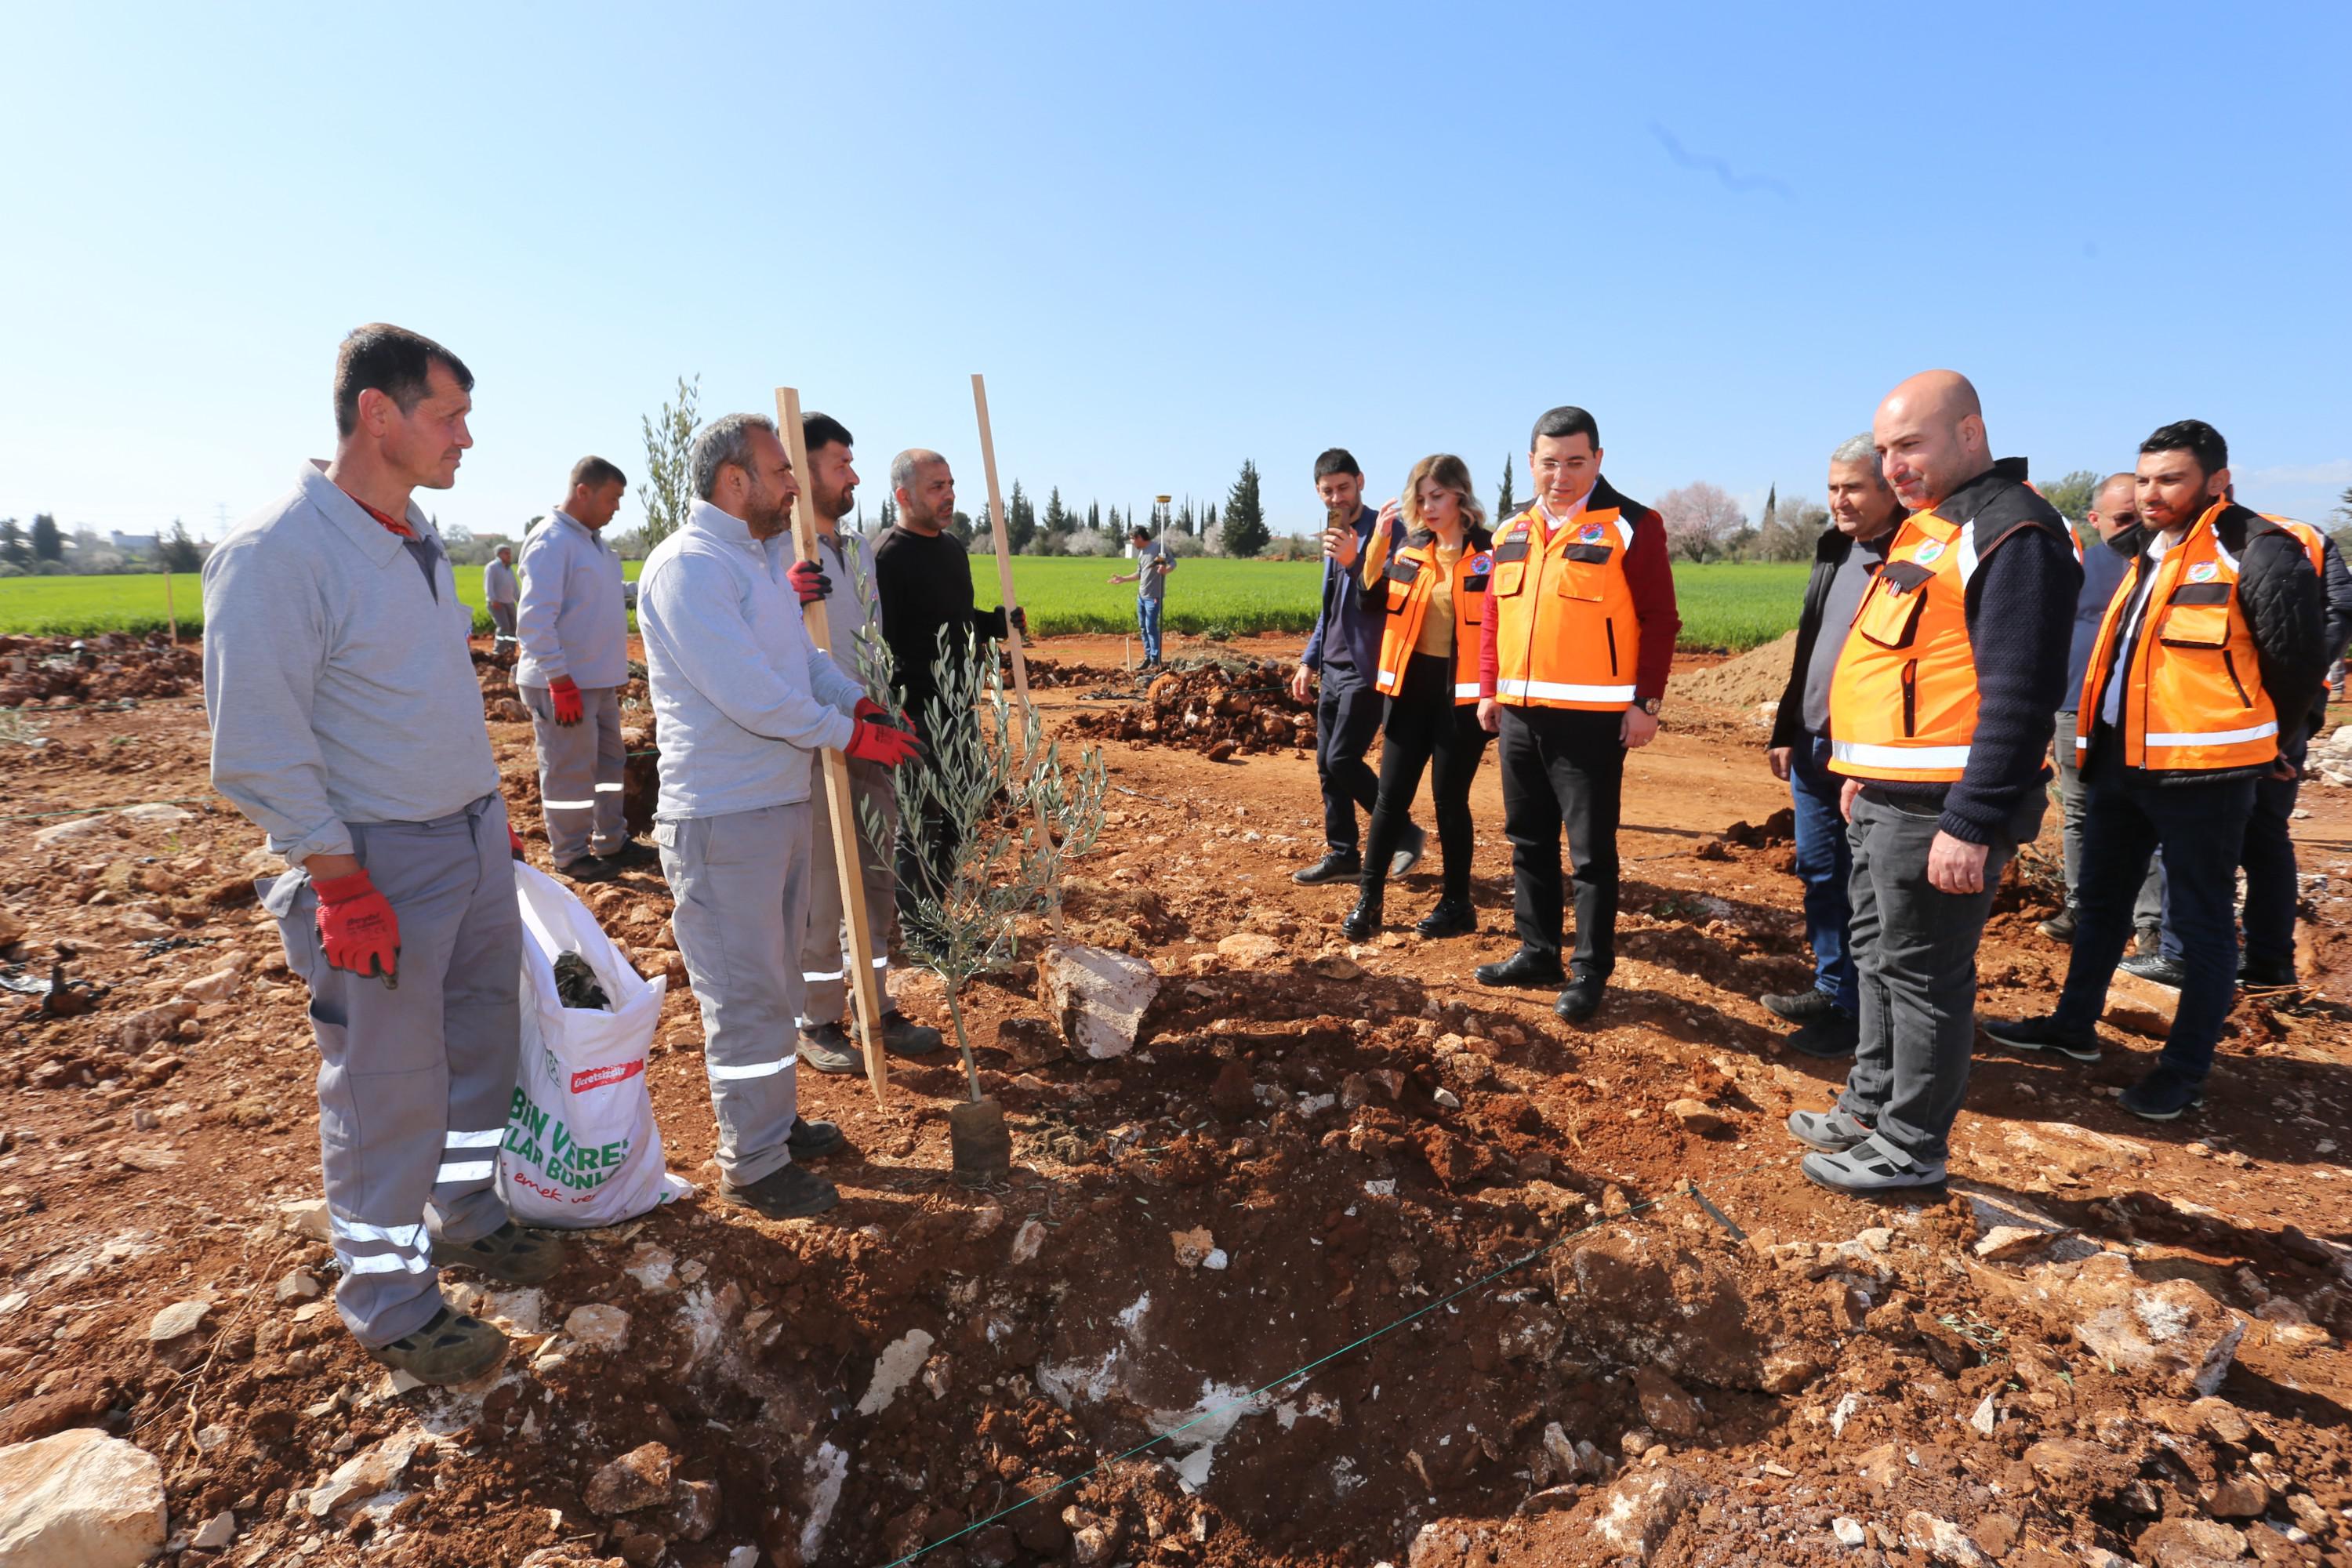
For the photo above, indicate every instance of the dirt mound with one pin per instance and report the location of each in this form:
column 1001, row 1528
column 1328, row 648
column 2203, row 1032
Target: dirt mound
column 1225, row 708
column 1048, row 673
column 64, row 672
column 1760, row 675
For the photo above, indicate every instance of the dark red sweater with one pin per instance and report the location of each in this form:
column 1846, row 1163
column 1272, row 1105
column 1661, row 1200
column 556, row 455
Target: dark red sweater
column 1649, row 577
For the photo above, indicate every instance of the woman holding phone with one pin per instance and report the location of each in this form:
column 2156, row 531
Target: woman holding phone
column 1432, row 591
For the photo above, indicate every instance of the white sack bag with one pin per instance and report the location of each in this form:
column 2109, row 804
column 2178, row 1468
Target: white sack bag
column 581, row 1148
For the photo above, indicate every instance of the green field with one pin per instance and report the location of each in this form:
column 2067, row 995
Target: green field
column 1723, row 607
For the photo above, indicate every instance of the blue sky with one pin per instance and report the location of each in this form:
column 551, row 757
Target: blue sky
column 1173, row 237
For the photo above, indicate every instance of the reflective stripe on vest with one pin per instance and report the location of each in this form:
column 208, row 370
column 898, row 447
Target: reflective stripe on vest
column 2193, row 698
column 1408, row 583
column 1565, row 632
column 1903, row 698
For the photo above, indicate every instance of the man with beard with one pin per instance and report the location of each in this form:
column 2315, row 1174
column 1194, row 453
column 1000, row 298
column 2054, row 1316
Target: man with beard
column 744, row 699
column 853, row 618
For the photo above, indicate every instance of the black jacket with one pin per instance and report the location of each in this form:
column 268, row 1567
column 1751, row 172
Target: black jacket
column 1829, row 551
column 2285, row 616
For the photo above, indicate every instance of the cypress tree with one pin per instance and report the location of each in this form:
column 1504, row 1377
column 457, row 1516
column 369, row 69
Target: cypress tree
column 1245, row 529
column 1505, row 506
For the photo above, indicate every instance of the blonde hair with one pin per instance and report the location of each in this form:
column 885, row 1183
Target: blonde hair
column 1450, row 473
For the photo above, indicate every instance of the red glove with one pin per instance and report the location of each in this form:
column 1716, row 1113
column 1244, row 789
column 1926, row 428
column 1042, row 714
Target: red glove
column 869, row 709
column 514, row 841
column 565, row 693
column 357, row 929
column 874, row 743
column 809, row 580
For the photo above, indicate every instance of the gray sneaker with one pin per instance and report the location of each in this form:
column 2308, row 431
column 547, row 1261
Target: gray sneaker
column 1832, row 1131
column 1872, row 1168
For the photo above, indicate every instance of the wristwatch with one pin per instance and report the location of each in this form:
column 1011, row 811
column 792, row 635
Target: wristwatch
column 1648, row 705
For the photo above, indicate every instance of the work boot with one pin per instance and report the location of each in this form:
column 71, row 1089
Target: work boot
column 1530, row 967
column 2148, row 940
column 1581, row 999
column 632, row 852
column 2043, row 1034
column 1364, row 920
column 451, row 1347
column 1832, row 1131
column 813, row 1140
column 902, row 1037
column 2156, row 969
column 1872, row 1168
column 1408, row 855
column 1828, row 1038
column 1801, row 1006
column 2161, row 1095
column 2060, row 927
column 791, row 1193
column 828, row 1048
column 587, row 869
column 510, row 1254
column 2265, row 975
column 1452, row 917
column 1339, row 866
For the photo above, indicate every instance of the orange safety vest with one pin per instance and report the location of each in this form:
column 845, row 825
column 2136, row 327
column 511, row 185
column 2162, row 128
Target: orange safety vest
column 1903, row 699
column 2193, row 698
column 2314, row 542
column 1565, row 631
column 1408, row 583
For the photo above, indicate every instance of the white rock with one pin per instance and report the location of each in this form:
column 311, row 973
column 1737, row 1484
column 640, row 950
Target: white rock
column 299, row 1285
column 1448, row 1099
column 1028, row 1240
column 1942, row 1541
column 80, row 1497
column 654, row 1269
column 179, row 1318
column 597, row 1327
column 1849, row 1532
column 374, row 1469
column 218, row 987
column 306, row 1217
column 743, row 1557
column 215, row 1533
column 895, row 1368
column 156, row 811
column 1216, row 1258
column 66, row 832
column 522, row 1311
column 1097, row 996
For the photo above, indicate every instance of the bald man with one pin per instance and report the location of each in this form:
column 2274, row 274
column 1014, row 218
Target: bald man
column 2115, row 540
column 1940, row 712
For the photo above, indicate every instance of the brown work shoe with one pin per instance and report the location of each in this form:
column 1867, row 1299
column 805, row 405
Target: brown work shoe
column 450, row 1348
column 510, row 1254
column 793, row 1193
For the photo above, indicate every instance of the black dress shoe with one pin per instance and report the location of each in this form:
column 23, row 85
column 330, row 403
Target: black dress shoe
column 1829, row 1036
column 1526, row 967
column 1581, row 999
column 2156, row 969
column 1364, row 920
column 2254, row 977
column 1801, row 1006
column 1339, row 866
column 1408, row 855
column 1451, row 918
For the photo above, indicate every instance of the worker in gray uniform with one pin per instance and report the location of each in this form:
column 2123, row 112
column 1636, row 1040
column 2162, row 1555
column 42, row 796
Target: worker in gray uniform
column 743, row 699
column 574, row 627
column 347, row 723
column 854, row 619
column 503, row 592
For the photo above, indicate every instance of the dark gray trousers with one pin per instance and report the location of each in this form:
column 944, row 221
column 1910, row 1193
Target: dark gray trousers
column 825, row 950
column 1915, row 956
column 580, row 769
column 414, row 1081
column 2147, row 909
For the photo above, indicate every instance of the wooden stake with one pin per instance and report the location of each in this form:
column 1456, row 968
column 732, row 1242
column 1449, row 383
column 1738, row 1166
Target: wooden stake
column 1005, row 587
column 171, row 612
column 847, row 838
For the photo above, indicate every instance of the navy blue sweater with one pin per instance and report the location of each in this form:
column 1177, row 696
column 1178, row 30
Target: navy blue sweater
column 2020, row 614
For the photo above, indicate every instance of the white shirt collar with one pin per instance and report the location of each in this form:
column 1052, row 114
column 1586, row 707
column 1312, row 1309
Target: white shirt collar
column 1576, row 508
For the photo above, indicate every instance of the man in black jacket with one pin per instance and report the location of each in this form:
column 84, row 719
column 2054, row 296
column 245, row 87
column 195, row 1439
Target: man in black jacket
column 1862, row 515
column 2175, row 750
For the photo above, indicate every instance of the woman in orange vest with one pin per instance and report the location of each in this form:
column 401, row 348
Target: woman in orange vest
column 1432, row 594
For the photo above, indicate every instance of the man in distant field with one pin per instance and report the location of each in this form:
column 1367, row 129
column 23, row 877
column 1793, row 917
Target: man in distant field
column 501, row 593
column 1864, row 513
column 574, row 628
column 347, row 723
column 1343, row 654
column 1153, row 562
column 2116, row 541
column 852, row 612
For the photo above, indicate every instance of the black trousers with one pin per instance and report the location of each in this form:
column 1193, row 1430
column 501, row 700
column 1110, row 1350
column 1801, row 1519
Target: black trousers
column 1425, row 729
column 1347, row 717
column 1564, row 767
column 928, row 841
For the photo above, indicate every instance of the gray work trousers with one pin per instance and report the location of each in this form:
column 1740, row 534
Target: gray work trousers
column 1915, row 956
column 825, row 951
column 414, row 1081
column 579, row 768
column 502, row 625
column 2147, row 909
column 741, row 886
